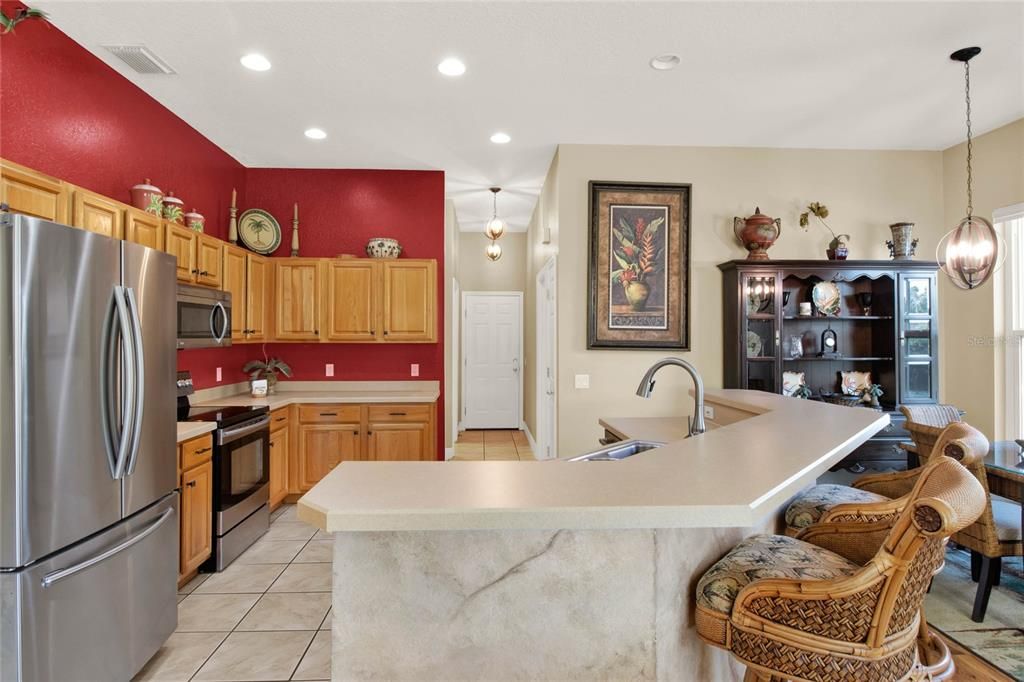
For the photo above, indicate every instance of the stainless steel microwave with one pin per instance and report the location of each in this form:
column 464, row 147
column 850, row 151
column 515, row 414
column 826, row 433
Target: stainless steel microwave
column 204, row 317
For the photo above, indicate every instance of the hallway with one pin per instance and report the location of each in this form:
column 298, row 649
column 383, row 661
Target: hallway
column 493, row 444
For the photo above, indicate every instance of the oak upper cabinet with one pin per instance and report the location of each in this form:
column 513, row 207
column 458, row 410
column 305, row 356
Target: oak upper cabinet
column 353, row 301
column 410, row 300
column 233, row 282
column 279, row 446
column 209, row 260
column 30, row 193
column 297, row 284
column 143, row 228
column 180, row 242
column 400, row 432
column 257, row 293
column 96, row 213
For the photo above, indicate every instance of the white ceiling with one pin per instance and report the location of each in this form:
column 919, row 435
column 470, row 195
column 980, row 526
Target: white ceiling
column 809, row 74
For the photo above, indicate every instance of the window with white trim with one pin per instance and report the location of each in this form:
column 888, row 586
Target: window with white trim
column 1010, row 222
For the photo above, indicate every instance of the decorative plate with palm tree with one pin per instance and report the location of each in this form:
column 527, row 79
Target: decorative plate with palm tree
column 259, row 231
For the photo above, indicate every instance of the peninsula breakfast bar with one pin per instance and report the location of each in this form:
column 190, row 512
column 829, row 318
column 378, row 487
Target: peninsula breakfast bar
column 563, row 570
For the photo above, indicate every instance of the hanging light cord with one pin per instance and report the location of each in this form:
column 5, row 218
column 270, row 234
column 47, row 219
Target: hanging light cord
column 495, row 194
column 970, row 144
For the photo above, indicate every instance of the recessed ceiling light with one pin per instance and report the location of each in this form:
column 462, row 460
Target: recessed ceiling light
column 500, row 138
column 255, row 62
column 451, row 67
column 315, row 134
column 665, row 62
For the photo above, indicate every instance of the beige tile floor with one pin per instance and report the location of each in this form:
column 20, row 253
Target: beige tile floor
column 267, row 617
column 493, row 445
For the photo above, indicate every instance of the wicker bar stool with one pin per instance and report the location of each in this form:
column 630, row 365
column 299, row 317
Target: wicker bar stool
column 844, row 602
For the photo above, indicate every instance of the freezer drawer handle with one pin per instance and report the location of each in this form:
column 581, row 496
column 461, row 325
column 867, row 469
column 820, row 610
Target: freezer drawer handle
column 50, row 579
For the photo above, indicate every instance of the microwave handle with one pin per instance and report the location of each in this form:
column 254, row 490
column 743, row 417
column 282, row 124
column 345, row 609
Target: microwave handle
column 224, row 328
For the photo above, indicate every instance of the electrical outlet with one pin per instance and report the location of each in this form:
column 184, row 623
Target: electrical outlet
column 414, row 369
column 709, row 412
column 329, row 369
column 582, row 381
column 220, row 376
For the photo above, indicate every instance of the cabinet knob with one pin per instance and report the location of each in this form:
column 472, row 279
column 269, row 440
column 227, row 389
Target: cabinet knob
column 191, row 484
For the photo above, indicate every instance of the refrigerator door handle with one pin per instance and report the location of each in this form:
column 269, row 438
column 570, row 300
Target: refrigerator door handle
column 140, row 380
column 51, row 579
column 118, row 325
column 108, row 373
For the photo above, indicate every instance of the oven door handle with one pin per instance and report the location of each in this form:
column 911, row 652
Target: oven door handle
column 229, row 435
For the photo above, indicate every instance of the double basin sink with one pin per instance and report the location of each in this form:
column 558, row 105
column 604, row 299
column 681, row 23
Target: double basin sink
column 616, row 451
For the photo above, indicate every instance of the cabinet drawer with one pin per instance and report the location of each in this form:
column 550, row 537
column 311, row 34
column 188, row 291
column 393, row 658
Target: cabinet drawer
column 196, row 451
column 419, row 412
column 279, row 419
column 328, row 414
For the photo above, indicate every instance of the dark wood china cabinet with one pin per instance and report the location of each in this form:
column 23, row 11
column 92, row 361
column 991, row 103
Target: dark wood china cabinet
column 886, row 324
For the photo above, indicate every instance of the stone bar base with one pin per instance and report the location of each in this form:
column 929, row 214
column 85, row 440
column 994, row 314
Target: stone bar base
column 525, row 605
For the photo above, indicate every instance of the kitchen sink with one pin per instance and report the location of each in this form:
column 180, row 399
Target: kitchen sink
column 616, row 451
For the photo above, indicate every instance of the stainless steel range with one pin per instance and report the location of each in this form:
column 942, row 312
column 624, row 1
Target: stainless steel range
column 241, row 473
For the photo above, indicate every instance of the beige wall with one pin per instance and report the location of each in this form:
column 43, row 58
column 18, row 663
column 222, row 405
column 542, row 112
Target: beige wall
column 451, row 271
column 479, row 273
column 865, row 191
column 972, row 374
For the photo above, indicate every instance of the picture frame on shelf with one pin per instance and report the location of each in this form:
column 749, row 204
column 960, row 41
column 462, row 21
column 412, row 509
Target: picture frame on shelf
column 639, row 271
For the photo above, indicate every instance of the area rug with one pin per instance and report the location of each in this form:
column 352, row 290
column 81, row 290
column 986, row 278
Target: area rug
column 1000, row 639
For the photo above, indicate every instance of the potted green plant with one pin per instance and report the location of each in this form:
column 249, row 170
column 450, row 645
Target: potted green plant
column 267, row 369
column 871, row 395
column 802, row 391
column 837, row 248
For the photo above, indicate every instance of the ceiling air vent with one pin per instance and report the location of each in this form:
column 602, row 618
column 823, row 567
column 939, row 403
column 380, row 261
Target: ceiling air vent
column 140, row 58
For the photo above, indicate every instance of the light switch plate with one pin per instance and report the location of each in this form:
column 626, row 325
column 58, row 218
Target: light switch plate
column 582, row 381
column 220, row 375
column 414, row 369
column 709, row 412
column 329, row 369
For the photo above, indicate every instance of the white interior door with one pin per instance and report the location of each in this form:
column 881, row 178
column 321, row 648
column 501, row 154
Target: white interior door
column 492, row 343
column 546, row 370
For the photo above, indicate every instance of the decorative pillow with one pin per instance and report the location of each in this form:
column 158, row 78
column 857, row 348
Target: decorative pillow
column 792, row 381
column 855, row 383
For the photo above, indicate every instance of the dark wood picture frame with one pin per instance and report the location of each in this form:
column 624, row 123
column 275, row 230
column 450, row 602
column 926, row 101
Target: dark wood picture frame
column 639, row 234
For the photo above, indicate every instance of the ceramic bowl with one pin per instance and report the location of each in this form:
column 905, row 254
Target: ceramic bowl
column 383, row 247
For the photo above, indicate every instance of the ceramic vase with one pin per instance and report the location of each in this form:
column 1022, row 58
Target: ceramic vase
column 637, row 294
column 195, row 221
column 902, row 246
column 757, row 233
column 148, row 197
column 174, row 209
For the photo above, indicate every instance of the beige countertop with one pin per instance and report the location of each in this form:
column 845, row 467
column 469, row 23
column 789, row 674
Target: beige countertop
column 190, row 430
column 657, row 429
column 732, row 476
column 289, row 392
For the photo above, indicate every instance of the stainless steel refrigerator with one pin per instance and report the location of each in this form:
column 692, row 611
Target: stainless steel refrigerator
column 88, row 458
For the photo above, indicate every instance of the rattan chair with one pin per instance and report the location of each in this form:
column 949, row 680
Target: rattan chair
column 925, row 423
column 843, row 604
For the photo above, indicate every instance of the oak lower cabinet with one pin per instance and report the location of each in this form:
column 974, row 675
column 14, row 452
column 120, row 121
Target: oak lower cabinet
column 323, row 446
column 96, row 213
column 143, row 228
column 180, row 242
column 280, row 442
column 35, row 194
column 196, row 504
column 297, row 284
column 400, row 432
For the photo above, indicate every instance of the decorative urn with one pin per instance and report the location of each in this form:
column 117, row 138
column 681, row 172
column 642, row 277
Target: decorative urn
column 902, row 246
column 174, row 209
column 757, row 233
column 148, row 198
column 195, row 221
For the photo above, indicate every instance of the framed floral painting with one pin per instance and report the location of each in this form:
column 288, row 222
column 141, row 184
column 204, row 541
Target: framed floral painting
column 639, row 266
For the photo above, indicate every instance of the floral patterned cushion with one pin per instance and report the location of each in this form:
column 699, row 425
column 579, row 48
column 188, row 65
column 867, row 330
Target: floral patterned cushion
column 809, row 506
column 766, row 556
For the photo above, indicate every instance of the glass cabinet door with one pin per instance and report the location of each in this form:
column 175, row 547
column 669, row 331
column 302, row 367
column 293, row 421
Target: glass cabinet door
column 760, row 339
column 918, row 335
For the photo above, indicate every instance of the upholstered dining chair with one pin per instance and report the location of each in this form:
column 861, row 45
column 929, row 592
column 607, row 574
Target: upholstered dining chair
column 925, row 423
column 843, row 603
column 877, row 497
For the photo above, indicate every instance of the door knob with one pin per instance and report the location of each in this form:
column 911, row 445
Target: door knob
column 515, row 365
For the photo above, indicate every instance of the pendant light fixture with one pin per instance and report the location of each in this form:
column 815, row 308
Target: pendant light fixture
column 969, row 253
column 494, row 250
column 495, row 226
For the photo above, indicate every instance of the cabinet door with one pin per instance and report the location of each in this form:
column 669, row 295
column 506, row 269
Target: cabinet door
column 760, row 303
column 209, row 260
column 257, row 289
column 196, row 516
column 143, row 228
column 233, row 281
column 410, row 300
column 297, row 300
column 278, row 466
column 96, row 213
column 323, row 447
column 353, row 301
column 918, row 335
column 397, row 442
column 180, row 242
column 30, row 193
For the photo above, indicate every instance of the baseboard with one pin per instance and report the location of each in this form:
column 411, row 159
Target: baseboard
column 530, row 440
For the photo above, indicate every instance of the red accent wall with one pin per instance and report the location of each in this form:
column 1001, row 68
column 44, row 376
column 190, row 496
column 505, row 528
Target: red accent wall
column 66, row 113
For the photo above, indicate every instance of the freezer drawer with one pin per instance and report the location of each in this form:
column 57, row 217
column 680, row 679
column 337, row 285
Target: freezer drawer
column 97, row 611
